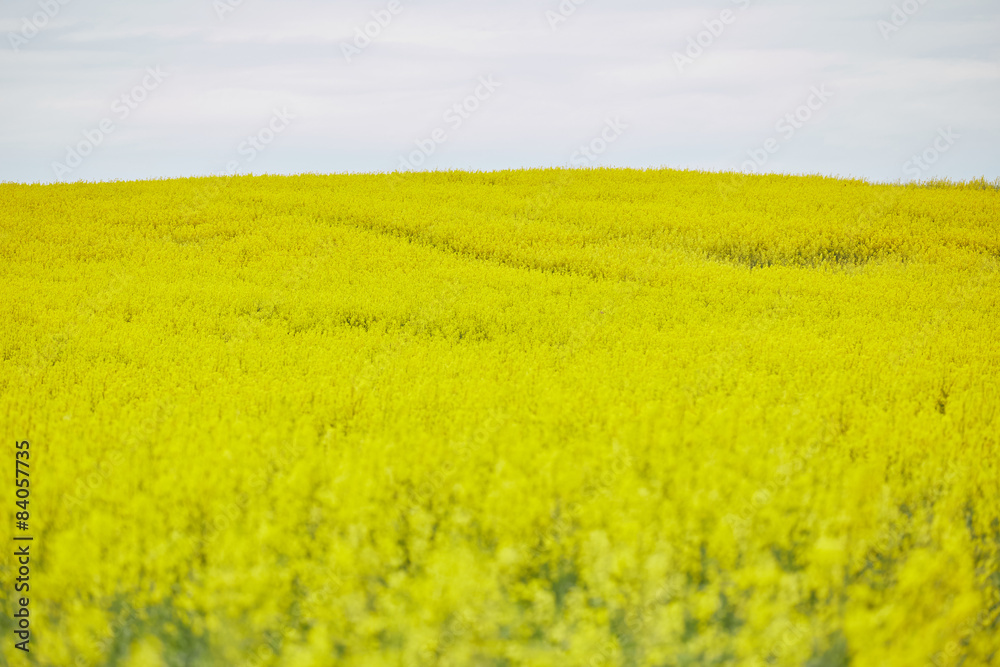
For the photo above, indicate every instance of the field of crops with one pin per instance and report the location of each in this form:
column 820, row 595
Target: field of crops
column 542, row 417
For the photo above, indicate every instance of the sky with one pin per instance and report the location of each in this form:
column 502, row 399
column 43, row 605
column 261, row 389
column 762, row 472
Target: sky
column 886, row 90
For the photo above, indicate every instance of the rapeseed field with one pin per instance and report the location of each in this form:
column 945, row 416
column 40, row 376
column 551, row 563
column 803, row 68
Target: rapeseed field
column 539, row 417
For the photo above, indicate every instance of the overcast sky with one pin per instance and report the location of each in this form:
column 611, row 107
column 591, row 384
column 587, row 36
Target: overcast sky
column 103, row 90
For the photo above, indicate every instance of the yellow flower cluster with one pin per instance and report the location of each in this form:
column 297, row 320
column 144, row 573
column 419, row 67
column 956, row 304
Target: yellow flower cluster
column 540, row 417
